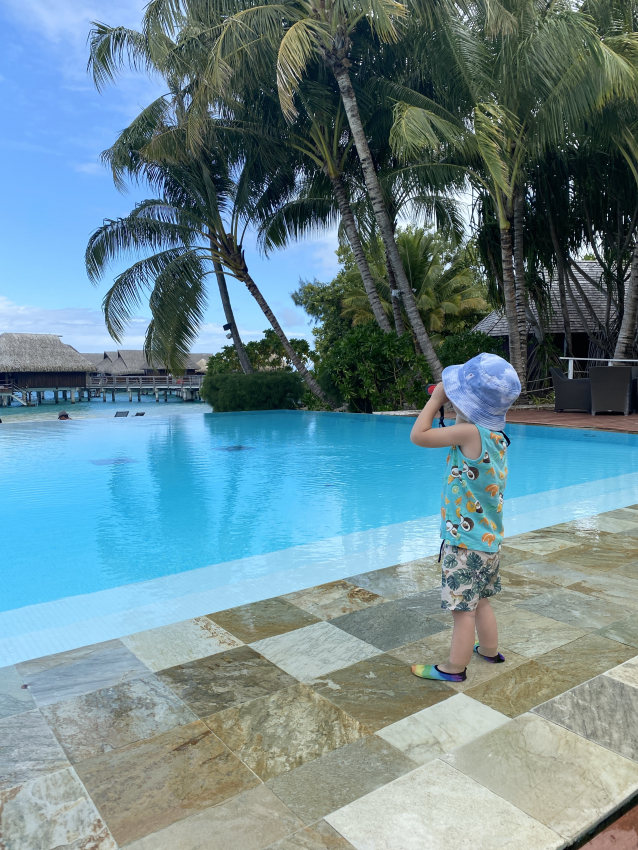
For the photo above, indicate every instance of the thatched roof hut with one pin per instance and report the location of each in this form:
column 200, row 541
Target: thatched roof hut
column 134, row 362
column 39, row 353
column 41, row 361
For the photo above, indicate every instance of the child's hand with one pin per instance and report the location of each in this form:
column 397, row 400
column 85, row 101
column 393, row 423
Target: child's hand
column 438, row 396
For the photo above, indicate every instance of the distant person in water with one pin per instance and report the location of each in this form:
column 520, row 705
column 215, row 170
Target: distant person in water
column 481, row 392
column 63, row 415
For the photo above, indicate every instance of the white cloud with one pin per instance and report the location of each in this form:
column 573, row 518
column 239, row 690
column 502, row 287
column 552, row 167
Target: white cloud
column 92, row 168
column 83, row 328
column 64, row 20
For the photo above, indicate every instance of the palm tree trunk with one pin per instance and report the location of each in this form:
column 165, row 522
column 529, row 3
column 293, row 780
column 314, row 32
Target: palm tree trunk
column 562, row 293
column 399, row 324
column 252, row 287
column 350, row 227
column 519, row 268
column 351, row 108
column 509, row 290
column 244, row 361
column 627, row 334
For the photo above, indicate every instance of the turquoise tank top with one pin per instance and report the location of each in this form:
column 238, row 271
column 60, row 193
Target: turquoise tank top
column 472, row 496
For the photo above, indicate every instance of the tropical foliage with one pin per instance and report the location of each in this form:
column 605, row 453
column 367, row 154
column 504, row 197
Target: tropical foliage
column 283, row 118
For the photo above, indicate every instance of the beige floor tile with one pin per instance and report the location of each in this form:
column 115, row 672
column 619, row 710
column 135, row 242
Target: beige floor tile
column 516, row 588
column 179, row 643
column 611, row 522
column 558, row 574
column 334, row 599
column 380, row 691
column 623, row 631
column 530, row 634
column 585, row 658
column 282, row 731
column 251, row 821
column 314, row 651
column 52, row 812
column 146, row 786
column 543, row 542
column 319, row 836
column 614, row 551
column 336, row 779
column 580, row 610
column 511, row 555
column 28, row 749
column 436, row 648
column 615, row 588
column 557, row 777
column 260, row 620
column 401, row 580
column 518, row 690
column 429, row 733
column 630, row 570
column 114, row 717
column 421, row 811
column 626, row 673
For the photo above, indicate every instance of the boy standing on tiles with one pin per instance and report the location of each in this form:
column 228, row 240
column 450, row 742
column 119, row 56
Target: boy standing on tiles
column 481, row 392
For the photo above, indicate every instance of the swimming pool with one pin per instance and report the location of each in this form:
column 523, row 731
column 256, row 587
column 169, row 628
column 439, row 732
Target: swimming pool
column 122, row 514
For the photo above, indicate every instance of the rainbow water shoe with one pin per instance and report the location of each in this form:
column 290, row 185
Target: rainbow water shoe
column 431, row 671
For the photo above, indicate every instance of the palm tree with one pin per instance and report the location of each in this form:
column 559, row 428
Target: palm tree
column 199, row 220
column 445, row 287
column 202, row 201
column 301, row 33
column 531, row 75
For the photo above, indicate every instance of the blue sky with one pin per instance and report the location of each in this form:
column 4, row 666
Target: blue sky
column 55, row 192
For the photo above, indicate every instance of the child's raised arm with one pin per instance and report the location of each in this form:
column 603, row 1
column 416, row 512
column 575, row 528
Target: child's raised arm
column 464, row 435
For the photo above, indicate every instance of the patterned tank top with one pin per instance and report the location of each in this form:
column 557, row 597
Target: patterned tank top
column 472, row 496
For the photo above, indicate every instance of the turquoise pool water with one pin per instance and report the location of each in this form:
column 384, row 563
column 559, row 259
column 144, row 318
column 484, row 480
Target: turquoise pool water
column 98, row 503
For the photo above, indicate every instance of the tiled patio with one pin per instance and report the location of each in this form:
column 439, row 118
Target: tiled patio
column 294, row 723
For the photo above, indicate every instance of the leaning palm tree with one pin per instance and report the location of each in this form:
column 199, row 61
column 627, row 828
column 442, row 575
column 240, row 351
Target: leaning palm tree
column 298, row 33
column 195, row 226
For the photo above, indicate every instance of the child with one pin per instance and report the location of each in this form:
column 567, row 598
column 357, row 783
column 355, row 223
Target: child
column 481, row 392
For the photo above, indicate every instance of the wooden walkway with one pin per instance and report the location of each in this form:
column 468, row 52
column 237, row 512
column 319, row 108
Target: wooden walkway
column 532, row 416
column 600, row 422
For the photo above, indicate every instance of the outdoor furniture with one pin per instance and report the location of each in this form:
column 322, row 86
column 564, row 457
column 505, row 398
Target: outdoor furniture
column 121, row 413
column 571, row 395
column 611, row 389
column 141, row 414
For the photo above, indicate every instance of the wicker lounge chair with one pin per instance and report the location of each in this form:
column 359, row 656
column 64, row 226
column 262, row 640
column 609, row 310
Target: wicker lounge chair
column 571, row 394
column 611, row 389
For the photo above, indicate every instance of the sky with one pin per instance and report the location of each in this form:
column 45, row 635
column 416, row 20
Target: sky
column 56, row 192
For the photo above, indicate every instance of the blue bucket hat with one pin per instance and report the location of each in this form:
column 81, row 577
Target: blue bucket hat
column 483, row 389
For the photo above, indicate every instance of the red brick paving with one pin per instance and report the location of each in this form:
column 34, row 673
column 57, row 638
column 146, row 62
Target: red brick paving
column 620, row 835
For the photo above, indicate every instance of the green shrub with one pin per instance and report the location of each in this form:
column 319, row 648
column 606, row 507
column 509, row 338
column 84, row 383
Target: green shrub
column 373, row 370
column 258, row 391
column 461, row 347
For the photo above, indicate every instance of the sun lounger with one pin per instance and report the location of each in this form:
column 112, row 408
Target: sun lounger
column 121, row 413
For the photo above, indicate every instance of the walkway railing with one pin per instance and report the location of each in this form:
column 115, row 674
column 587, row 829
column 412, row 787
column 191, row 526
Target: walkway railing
column 601, row 360
column 144, row 381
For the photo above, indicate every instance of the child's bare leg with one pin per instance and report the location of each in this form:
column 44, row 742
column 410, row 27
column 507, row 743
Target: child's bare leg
column 462, row 644
column 486, row 629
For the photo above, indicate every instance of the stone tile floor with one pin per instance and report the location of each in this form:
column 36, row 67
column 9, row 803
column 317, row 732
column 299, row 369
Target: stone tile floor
column 294, row 723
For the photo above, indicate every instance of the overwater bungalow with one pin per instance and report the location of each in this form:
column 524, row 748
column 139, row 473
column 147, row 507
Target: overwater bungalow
column 37, row 362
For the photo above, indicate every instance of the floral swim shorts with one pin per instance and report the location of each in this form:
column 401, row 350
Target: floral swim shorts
column 467, row 576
